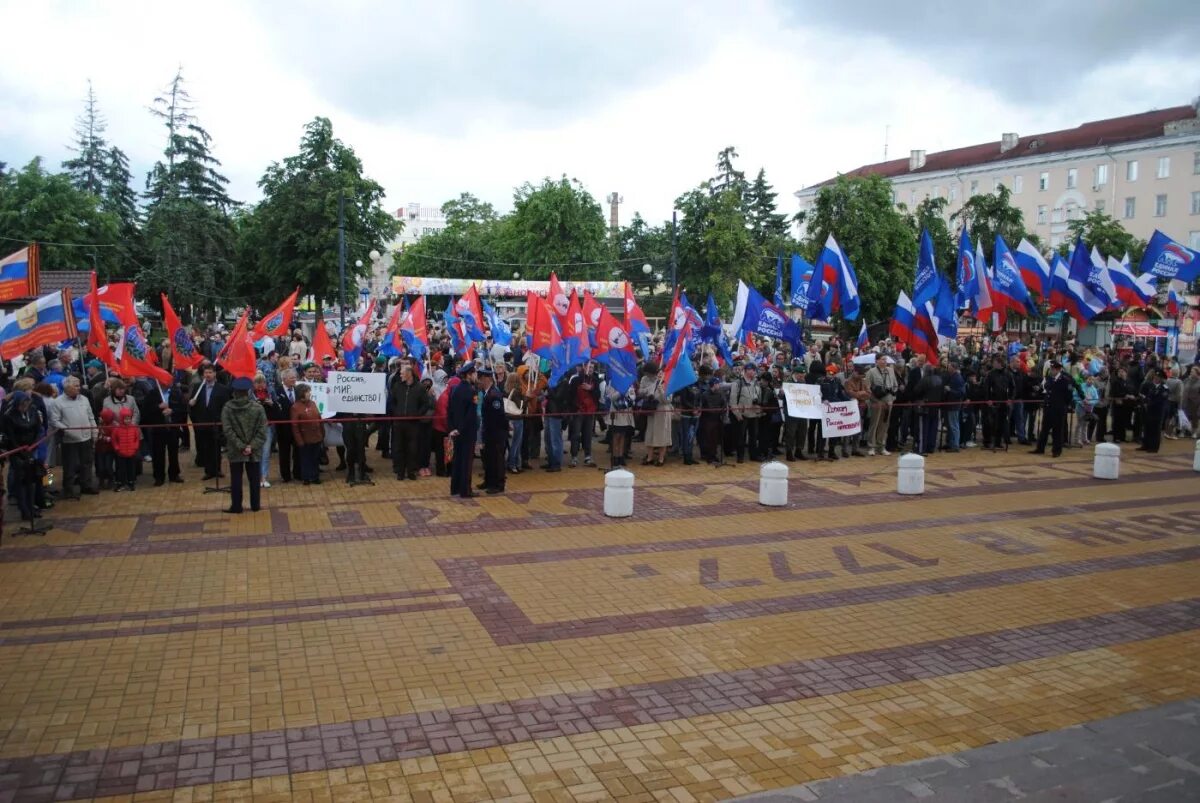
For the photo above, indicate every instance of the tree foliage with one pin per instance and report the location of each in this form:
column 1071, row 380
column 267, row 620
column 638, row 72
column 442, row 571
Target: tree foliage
column 1101, row 230
column 988, row 214
column 190, row 242
column 90, row 164
column 930, row 215
column 879, row 240
column 291, row 236
column 36, row 205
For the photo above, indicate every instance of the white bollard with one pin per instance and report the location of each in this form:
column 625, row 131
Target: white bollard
column 1196, row 459
column 910, row 478
column 773, row 484
column 1107, row 463
column 618, row 493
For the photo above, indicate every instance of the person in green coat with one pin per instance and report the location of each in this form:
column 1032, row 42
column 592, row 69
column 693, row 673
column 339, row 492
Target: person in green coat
column 244, row 425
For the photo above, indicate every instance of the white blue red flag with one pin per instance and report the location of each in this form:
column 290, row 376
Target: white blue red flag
column 1165, row 258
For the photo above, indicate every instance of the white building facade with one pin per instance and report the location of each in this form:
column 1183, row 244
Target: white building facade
column 418, row 221
column 1143, row 170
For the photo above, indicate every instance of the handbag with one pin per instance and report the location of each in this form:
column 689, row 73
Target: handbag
column 333, row 435
column 512, row 409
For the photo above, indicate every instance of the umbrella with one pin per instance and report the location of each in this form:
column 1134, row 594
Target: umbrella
column 869, row 359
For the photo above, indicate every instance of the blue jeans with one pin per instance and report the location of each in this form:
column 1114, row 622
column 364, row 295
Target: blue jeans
column 952, row 427
column 687, row 435
column 1018, row 419
column 514, row 446
column 265, row 459
column 554, row 441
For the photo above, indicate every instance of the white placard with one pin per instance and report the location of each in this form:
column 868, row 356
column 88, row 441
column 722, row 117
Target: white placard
column 840, row 419
column 354, row 392
column 803, row 401
column 319, row 393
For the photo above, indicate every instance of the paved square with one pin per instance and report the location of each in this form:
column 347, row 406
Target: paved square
column 389, row 642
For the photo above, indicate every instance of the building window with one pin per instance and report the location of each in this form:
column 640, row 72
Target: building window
column 1041, row 218
column 953, row 194
column 1043, row 182
column 1018, row 184
column 974, row 186
column 1164, row 166
column 1160, row 206
column 1196, row 163
column 1131, row 170
column 1072, row 178
column 1196, row 203
column 1058, row 215
column 1101, row 175
column 1194, row 240
column 1130, row 208
column 1099, row 204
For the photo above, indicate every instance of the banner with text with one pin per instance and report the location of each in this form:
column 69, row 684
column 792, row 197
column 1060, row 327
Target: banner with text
column 841, row 419
column 803, row 401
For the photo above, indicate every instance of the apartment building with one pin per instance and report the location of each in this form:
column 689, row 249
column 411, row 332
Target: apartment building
column 1143, row 169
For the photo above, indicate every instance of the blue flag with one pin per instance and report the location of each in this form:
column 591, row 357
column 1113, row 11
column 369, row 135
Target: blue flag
column 712, row 332
column 501, row 332
column 801, row 275
column 1167, row 259
column 753, row 313
column 925, row 285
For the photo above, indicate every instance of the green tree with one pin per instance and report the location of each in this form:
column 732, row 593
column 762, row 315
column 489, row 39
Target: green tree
column 879, row 240
column 716, row 246
column 1106, row 234
column 989, row 214
column 930, row 215
column 767, row 225
column 46, row 207
column 555, row 222
column 728, row 177
column 189, row 234
column 464, row 249
column 292, row 236
column 87, row 170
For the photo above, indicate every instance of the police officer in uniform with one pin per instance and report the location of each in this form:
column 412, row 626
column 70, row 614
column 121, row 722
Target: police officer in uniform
column 1059, row 397
column 495, row 434
column 463, row 420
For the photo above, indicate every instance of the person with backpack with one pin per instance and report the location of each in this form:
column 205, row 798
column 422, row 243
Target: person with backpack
column 744, row 406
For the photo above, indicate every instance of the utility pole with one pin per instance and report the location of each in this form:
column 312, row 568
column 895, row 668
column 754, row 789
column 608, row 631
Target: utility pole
column 342, row 258
column 674, row 251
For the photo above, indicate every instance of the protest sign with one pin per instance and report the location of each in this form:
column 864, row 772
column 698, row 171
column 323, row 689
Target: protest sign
column 803, row 401
column 353, row 392
column 840, row 419
column 319, row 393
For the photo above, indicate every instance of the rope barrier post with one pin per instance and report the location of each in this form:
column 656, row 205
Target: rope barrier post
column 1196, row 459
column 910, row 476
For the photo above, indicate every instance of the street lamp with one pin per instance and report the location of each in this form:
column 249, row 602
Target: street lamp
column 647, row 269
column 516, row 275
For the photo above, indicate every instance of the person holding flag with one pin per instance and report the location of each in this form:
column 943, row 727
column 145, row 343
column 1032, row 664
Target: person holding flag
column 652, row 402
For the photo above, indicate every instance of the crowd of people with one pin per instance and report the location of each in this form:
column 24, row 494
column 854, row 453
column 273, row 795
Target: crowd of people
column 66, row 414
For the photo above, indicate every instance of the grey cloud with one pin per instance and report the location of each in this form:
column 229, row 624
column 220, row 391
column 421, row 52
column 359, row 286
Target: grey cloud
column 447, row 65
column 1035, row 52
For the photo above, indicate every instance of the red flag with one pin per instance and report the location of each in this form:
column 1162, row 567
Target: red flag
column 469, row 309
column 277, row 322
column 133, row 352
column 546, row 334
column 322, row 346
column 557, row 297
column 238, row 355
column 591, row 313
column 184, row 350
column 415, row 323
column 97, row 340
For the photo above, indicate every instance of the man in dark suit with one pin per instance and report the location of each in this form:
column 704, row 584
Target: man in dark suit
column 161, row 407
column 281, row 416
column 463, row 420
column 1060, row 394
column 495, row 434
column 207, row 401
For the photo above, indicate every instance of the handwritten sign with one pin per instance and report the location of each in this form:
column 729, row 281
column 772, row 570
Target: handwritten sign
column 803, row 401
column 352, row 392
column 840, row 419
column 319, row 393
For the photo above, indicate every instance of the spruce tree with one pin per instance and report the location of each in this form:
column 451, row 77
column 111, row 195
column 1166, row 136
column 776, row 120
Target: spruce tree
column 87, row 168
column 766, row 224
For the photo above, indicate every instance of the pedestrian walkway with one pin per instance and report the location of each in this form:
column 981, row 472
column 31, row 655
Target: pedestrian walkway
column 389, row 643
column 1151, row 755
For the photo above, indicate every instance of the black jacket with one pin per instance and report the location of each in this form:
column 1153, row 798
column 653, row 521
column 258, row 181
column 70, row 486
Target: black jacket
column 1060, row 392
column 408, row 400
column 999, row 385
column 212, row 412
column 461, row 413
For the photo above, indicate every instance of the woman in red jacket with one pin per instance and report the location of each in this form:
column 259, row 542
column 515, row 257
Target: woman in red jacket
column 126, row 442
column 441, row 425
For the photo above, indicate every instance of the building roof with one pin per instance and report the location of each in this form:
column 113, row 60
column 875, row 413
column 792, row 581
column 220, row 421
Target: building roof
column 1113, row 131
column 79, row 282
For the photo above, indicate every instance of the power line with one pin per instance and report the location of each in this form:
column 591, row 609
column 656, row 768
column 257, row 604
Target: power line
column 60, row 245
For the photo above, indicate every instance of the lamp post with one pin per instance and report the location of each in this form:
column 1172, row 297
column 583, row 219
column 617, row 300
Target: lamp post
column 375, row 256
column 342, row 258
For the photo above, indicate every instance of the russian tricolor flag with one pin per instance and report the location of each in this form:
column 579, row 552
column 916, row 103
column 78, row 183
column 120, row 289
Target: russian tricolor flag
column 1035, row 271
column 903, row 319
column 1080, row 302
column 19, row 274
column 39, row 323
column 1130, row 290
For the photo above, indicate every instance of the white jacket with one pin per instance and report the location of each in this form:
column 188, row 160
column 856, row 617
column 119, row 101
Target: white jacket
column 74, row 417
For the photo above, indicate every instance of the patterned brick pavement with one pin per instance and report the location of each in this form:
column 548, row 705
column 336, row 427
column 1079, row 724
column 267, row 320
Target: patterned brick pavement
column 387, row 642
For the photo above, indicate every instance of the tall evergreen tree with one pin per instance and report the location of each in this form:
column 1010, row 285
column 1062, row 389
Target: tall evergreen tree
column 88, row 167
column 767, row 225
column 190, row 237
column 728, row 177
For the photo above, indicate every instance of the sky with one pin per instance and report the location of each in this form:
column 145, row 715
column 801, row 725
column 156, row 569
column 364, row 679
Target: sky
column 637, row 97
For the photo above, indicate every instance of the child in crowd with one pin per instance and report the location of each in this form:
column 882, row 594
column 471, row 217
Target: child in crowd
column 126, row 442
column 105, row 457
